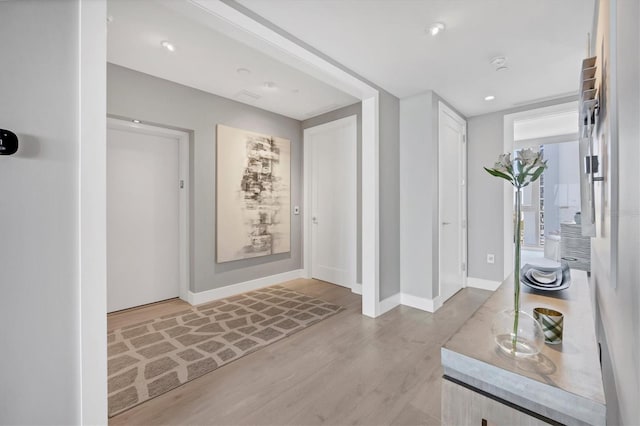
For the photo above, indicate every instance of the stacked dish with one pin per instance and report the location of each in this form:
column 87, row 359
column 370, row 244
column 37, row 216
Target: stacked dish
column 546, row 278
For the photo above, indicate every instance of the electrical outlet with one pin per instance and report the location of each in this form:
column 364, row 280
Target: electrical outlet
column 491, row 258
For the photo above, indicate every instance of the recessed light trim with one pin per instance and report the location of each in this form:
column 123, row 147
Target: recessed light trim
column 489, row 98
column 168, row 45
column 136, row 121
column 436, row 28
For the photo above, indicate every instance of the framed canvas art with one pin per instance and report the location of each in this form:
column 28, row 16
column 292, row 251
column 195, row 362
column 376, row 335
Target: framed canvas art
column 253, row 181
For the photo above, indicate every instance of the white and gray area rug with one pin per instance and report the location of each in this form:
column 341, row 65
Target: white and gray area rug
column 148, row 359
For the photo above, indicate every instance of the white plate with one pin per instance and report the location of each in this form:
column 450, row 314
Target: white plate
column 543, row 277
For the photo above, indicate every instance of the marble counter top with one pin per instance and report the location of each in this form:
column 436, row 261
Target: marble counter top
column 563, row 382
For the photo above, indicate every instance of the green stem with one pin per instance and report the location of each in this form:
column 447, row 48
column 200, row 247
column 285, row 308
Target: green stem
column 516, row 272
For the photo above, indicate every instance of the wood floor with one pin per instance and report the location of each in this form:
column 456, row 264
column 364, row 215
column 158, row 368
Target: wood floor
column 347, row 369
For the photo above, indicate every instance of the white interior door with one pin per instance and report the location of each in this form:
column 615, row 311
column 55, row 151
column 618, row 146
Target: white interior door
column 330, row 155
column 452, row 202
column 143, row 218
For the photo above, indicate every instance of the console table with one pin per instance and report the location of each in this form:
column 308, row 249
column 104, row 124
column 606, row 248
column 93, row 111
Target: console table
column 562, row 385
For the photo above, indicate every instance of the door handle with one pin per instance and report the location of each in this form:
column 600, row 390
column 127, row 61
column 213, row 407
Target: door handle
column 446, row 223
column 314, row 219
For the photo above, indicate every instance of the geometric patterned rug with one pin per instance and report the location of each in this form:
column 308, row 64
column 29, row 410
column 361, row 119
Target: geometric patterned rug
column 148, row 359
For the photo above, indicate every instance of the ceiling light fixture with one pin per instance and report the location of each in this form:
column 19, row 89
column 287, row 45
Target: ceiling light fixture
column 489, row 98
column 168, row 45
column 136, row 121
column 270, row 85
column 436, row 28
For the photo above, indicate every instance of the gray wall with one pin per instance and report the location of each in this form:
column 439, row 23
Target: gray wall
column 485, row 141
column 418, row 196
column 153, row 100
column 39, row 196
column 618, row 298
column 389, row 155
column 348, row 111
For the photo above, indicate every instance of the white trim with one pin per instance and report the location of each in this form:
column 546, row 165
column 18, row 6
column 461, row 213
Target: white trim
column 356, row 288
column 92, row 227
column 183, row 172
column 546, row 140
column 483, row 284
column 389, row 303
column 351, row 120
column 422, row 303
column 370, row 208
column 198, row 298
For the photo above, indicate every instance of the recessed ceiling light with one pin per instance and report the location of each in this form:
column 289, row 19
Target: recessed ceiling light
column 136, row 121
column 270, row 85
column 489, row 98
column 436, row 28
column 168, row 45
column 243, row 71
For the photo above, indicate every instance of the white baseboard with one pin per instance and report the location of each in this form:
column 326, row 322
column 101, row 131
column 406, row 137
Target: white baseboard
column 483, row 284
column 357, row 288
column 423, row 303
column 388, row 304
column 235, row 289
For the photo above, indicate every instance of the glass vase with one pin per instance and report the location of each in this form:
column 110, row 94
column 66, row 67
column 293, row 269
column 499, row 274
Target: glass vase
column 525, row 340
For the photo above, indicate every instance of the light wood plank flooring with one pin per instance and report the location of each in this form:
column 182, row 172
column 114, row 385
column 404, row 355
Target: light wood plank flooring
column 347, row 369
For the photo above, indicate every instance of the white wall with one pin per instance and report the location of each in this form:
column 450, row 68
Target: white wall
column 618, row 298
column 39, row 209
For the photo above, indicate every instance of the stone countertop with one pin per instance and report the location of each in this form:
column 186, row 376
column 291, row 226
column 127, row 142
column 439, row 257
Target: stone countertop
column 563, row 382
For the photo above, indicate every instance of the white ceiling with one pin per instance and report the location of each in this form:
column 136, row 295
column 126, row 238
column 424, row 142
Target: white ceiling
column 385, row 41
column 206, row 59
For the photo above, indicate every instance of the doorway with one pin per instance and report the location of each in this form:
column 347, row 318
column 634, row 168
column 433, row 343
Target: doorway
column 146, row 214
column 452, row 201
column 330, row 210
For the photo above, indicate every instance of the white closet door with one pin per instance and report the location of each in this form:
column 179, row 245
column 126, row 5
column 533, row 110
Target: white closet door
column 143, row 259
column 333, row 201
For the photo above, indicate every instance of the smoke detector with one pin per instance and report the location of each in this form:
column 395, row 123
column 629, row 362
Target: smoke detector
column 499, row 63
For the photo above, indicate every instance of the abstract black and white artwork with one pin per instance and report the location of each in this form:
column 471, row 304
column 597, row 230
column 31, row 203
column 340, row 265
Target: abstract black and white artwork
column 253, row 194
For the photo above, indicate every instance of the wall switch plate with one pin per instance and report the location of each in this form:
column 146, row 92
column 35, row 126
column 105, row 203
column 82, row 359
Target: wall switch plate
column 491, row 258
column 296, row 209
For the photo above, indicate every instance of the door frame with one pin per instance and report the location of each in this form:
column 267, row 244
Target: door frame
column 92, row 94
column 443, row 110
column 183, row 198
column 306, row 206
